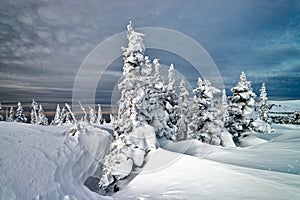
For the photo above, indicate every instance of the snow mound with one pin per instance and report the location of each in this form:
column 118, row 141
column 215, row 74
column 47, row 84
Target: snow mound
column 40, row 162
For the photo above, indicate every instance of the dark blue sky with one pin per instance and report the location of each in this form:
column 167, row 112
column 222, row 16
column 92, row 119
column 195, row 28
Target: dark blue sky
column 43, row 42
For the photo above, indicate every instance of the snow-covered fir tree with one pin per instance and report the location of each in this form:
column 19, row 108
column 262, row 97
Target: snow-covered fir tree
column 134, row 137
column 34, row 110
column 263, row 123
column 11, row 116
column 1, row 116
column 20, row 115
column 171, row 102
column 100, row 119
column 241, row 109
column 57, row 121
column 42, row 119
column 92, row 118
column 157, row 104
column 66, row 116
column 206, row 124
column 131, row 112
column 184, row 112
column 263, row 107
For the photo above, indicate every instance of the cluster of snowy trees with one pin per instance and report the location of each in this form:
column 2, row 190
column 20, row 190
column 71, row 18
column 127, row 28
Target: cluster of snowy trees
column 150, row 108
column 290, row 118
column 37, row 115
column 12, row 115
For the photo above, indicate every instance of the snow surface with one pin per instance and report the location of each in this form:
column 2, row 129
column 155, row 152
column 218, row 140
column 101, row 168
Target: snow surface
column 43, row 162
column 285, row 106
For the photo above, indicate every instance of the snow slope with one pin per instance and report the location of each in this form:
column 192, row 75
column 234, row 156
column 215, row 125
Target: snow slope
column 41, row 162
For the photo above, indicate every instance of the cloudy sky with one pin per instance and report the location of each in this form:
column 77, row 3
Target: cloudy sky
column 44, row 42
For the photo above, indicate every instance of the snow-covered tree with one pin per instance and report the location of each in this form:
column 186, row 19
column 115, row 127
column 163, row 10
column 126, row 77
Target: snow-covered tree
column 263, row 123
column 84, row 118
column 42, row 119
column 57, row 118
column 131, row 112
column 224, row 106
column 20, row 116
column 1, row 116
column 100, row 119
column 92, row 115
column 11, row 117
column 134, row 137
column 263, row 107
column 206, row 124
column 241, row 109
column 157, row 104
column 66, row 116
column 34, row 110
column 184, row 110
column 171, row 102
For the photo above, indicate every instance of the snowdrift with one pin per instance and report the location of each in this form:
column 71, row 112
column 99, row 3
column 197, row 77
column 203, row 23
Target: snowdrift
column 38, row 162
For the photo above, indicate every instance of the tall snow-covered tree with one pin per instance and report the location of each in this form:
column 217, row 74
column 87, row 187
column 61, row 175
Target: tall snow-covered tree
column 241, row 109
column 131, row 112
column 1, row 116
column 42, row 119
column 20, row 115
column 134, row 137
column 184, row 110
column 206, row 125
column 57, row 118
column 11, row 116
column 34, row 110
column 171, row 102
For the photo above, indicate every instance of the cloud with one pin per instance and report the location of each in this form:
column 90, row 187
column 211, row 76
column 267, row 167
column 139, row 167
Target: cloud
column 43, row 43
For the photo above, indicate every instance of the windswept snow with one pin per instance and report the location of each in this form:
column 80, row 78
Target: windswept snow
column 42, row 162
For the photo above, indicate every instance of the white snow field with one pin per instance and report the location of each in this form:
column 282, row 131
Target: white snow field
column 41, row 162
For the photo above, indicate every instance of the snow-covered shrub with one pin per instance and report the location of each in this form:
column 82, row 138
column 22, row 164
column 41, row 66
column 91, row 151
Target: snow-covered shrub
column 241, row 109
column 296, row 117
column 20, row 115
